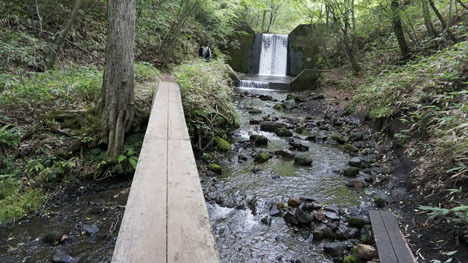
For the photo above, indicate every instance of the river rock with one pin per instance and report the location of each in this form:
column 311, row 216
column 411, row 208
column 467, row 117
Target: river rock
column 303, row 160
column 265, row 97
column 358, row 221
column 335, row 249
column 298, row 146
column 332, row 208
column 255, row 121
column 379, row 202
column 289, row 104
column 271, row 126
column 53, row 237
column 356, row 162
column 345, row 233
column 291, row 219
column 304, row 217
column 259, row 140
column 338, row 138
column 61, row 256
column 366, row 252
column 90, row 229
column 349, row 148
column 356, row 183
column 318, row 96
column 261, row 157
column 255, row 111
column 216, row 168
column 365, row 234
column 274, row 211
column 282, row 132
column 266, row 220
column 285, row 154
column 356, row 136
column 332, row 215
column 294, row 202
column 351, row 171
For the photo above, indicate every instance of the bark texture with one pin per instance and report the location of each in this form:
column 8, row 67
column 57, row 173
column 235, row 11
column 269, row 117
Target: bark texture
column 398, row 29
column 116, row 104
column 427, row 19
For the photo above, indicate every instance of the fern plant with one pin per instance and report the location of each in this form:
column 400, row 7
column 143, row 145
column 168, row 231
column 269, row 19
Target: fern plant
column 9, row 137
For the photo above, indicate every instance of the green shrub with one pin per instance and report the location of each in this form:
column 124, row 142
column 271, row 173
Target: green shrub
column 207, row 100
column 16, row 201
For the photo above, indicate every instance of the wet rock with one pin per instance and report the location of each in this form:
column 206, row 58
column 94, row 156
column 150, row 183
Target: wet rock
column 345, row 233
column 255, row 121
column 349, row 148
column 265, row 97
column 283, row 132
column 298, row 146
column 320, row 215
column 356, row 162
column 310, row 206
column 294, row 202
column 304, row 217
column 278, row 106
column 271, row 126
column 318, row 97
column 332, row 208
column 303, row 160
column 266, row 220
column 356, row 183
column 356, row 136
column 242, row 158
column 53, row 237
column 289, row 104
column 216, row 168
column 261, row 157
column 90, row 229
column 358, row 221
column 255, row 111
column 259, row 140
column 299, row 129
column 332, row 215
column 285, row 154
column 338, row 138
column 62, row 256
column 351, row 171
column 365, row 234
column 274, row 211
column 379, row 202
column 366, row 252
column 335, row 249
column 291, row 219
column 222, row 145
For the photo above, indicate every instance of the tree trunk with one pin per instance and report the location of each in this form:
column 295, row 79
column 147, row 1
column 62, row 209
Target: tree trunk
column 398, row 29
column 436, row 11
column 116, row 105
column 60, row 36
column 263, row 20
column 427, row 19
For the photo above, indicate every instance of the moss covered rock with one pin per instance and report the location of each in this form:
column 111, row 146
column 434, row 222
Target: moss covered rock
column 351, row 172
column 216, row 168
column 261, row 157
column 222, row 145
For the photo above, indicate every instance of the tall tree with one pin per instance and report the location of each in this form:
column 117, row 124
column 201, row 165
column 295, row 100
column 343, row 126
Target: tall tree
column 116, row 105
column 398, row 29
column 427, row 19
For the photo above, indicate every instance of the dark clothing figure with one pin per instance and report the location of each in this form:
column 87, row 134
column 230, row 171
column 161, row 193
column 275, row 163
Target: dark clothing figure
column 205, row 52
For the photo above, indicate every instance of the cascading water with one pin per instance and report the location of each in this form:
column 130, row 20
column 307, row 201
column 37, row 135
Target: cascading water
column 273, row 55
column 253, row 84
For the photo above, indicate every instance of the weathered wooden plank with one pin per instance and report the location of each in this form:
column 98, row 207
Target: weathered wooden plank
column 400, row 246
column 190, row 238
column 177, row 125
column 157, row 124
column 382, row 239
column 142, row 234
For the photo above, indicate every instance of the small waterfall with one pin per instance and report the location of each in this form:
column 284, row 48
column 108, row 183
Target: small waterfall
column 273, row 55
column 252, row 84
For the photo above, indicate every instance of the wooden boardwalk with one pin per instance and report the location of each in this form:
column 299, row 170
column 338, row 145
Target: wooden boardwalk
column 166, row 218
column 391, row 244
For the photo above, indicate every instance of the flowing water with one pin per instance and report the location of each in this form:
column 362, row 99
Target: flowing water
column 273, row 55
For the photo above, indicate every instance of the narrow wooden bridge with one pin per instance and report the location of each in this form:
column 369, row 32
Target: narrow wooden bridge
column 165, row 218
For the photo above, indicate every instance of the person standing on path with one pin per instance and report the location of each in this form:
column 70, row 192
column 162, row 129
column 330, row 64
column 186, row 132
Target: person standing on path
column 205, row 52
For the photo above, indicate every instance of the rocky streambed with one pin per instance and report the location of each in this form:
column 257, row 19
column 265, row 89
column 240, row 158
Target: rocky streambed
column 297, row 185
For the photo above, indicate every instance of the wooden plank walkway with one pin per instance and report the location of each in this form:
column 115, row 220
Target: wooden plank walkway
column 166, row 218
column 391, row 244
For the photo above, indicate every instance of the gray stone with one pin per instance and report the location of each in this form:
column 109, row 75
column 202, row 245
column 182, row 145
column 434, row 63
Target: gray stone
column 61, row 256
column 356, row 162
column 285, row 154
column 289, row 104
column 303, row 160
column 335, row 249
column 90, row 229
column 259, row 140
column 283, row 132
column 351, row 172
column 332, row 215
column 303, row 216
column 358, row 221
column 298, row 146
column 271, row 126
column 291, row 219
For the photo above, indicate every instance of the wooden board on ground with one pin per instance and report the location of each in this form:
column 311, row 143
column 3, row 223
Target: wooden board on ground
column 166, row 219
column 391, row 244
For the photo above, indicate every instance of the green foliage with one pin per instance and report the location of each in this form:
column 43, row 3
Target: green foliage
column 16, row 201
column 146, row 72
column 9, row 137
column 207, row 100
column 456, row 214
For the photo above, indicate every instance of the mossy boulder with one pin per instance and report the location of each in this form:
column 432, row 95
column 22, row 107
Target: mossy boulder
column 216, row 168
column 379, row 202
column 358, row 221
column 261, row 157
column 308, row 79
column 259, row 140
column 283, row 132
column 222, row 145
column 278, row 106
column 349, row 148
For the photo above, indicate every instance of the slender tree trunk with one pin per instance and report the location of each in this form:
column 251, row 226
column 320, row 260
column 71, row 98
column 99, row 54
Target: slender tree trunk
column 60, row 36
column 398, row 29
column 436, row 11
column 427, row 19
column 463, row 5
column 116, row 105
column 263, row 20
column 38, row 13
